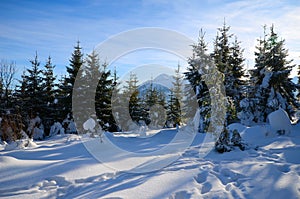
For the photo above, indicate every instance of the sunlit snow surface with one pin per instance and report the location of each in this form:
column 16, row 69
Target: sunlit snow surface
column 62, row 167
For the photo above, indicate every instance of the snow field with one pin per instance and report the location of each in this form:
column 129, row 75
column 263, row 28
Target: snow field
column 61, row 167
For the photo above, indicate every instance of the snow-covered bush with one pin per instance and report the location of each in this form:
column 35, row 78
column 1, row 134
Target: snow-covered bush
column 56, row 128
column 69, row 125
column 35, row 128
column 222, row 144
column 228, row 140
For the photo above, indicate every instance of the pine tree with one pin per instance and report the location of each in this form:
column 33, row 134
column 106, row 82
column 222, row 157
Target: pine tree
column 173, row 111
column 20, row 96
column 258, row 90
column 103, row 97
column 273, row 88
column 178, row 94
column 282, row 88
column 199, row 88
column 76, row 61
column 131, row 94
column 34, row 90
column 50, row 91
column 229, row 60
column 84, row 91
column 238, row 83
column 222, row 57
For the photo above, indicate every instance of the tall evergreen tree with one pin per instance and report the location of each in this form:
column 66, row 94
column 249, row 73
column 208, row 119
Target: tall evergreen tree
column 85, row 90
column 76, row 61
column 178, row 94
column 282, row 88
column 229, row 61
column 50, row 91
column 103, row 97
column 273, row 88
column 131, row 94
column 238, row 84
column 199, row 88
column 29, row 94
column 173, row 111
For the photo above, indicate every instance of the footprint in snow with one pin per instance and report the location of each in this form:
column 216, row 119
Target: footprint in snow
column 284, row 168
column 201, row 177
column 181, row 195
column 206, row 187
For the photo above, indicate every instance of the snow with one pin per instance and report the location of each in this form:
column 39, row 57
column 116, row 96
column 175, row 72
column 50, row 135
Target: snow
column 279, row 121
column 89, row 125
column 56, row 128
column 65, row 166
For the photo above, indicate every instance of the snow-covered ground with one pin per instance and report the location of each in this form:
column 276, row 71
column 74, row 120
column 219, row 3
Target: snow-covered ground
column 63, row 167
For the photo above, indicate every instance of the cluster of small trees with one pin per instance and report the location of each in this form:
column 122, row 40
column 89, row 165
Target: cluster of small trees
column 250, row 98
column 154, row 107
column 40, row 91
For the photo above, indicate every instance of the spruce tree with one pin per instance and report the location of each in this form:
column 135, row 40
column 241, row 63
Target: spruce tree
column 273, row 88
column 50, row 91
column 238, row 84
column 103, row 97
column 281, row 86
column 131, row 94
column 173, row 111
column 84, row 91
column 34, row 89
column 76, row 61
column 178, row 94
column 222, row 58
column 258, row 90
column 199, row 88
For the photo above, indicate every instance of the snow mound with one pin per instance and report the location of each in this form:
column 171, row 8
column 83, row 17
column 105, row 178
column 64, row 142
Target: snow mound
column 236, row 126
column 20, row 144
column 89, row 125
column 279, row 121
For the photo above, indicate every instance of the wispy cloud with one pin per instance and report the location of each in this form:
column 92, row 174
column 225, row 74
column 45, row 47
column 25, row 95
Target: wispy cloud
column 52, row 28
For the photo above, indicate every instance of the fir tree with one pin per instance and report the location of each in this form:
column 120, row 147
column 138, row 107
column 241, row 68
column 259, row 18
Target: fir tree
column 178, row 94
column 199, row 88
column 229, row 60
column 85, row 90
column 281, row 86
column 76, row 61
column 238, row 84
column 34, row 89
column 222, row 57
column 103, row 97
column 131, row 94
column 50, row 91
column 273, row 88
column 173, row 111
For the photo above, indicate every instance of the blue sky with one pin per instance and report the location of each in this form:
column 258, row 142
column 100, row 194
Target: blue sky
column 53, row 27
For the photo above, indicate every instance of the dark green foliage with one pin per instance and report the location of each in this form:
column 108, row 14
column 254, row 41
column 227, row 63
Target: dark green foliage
column 31, row 92
column 199, row 88
column 76, row 61
column 173, row 111
column 50, row 110
column 272, row 86
column 229, row 61
column 177, row 94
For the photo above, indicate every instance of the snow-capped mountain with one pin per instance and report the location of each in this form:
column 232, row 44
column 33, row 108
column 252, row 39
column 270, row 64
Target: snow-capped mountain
column 162, row 83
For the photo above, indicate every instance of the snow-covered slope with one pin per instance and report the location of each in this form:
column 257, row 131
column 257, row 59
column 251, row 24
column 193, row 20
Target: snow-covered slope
column 61, row 167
